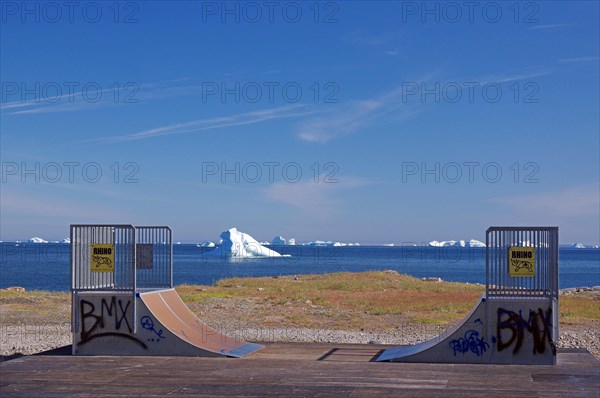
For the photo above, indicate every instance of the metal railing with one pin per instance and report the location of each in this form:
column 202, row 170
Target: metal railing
column 154, row 257
column 542, row 281
column 119, row 258
column 120, row 275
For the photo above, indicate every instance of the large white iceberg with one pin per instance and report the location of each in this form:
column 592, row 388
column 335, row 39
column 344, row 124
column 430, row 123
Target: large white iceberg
column 240, row 245
column 457, row 243
column 35, row 239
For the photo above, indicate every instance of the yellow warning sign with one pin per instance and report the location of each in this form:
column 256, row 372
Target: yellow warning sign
column 102, row 257
column 521, row 261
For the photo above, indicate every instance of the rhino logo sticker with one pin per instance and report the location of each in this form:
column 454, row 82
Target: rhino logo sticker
column 102, row 258
column 521, row 261
column 521, row 264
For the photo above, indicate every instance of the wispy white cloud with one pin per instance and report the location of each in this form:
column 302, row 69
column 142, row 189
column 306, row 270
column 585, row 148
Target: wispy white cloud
column 371, row 40
column 350, row 117
column 71, row 101
column 513, row 76
column 579, row 201
column 551, row 26
column 288, row 111
column 72, row 98
column 317, row 199
column 18, row 203
column 346, row 120
column 389, row 42
column 579, row 59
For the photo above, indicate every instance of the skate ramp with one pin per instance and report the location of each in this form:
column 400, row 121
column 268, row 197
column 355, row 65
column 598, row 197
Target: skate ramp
column 171, row 313
column 501, row 331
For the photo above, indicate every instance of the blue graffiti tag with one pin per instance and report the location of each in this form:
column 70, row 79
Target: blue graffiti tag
column 148, row 324
column 471, row 342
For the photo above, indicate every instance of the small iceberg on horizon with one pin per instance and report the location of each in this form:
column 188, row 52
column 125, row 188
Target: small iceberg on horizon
column 237, row 244
column 278, row 241
column 329, row 243
column 35, row 239
column 207, row 243
column 457, row 243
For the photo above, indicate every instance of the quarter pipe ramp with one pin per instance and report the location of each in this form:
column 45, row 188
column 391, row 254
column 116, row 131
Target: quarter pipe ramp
column 159, row 324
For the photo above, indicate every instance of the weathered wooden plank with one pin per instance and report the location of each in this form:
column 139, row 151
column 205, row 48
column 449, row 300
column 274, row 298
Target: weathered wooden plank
column 291, row 370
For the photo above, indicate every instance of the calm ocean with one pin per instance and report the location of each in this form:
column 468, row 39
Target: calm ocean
column 46, row 266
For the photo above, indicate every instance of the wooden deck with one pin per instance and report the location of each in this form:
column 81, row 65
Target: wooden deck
column 292, row 370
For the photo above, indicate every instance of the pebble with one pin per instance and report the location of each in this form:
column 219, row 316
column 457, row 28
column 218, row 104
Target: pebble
column 15, row 289
column 24, row 339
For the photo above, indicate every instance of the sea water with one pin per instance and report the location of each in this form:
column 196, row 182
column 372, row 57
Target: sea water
column 47, row 266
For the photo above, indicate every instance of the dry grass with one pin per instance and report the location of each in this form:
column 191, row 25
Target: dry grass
column 341, row 300
column 353, row 301
column 577, row 309
column 35, row 307
column 378, row 301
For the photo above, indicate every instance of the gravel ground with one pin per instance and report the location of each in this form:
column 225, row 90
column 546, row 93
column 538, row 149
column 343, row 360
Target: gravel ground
column 231, row 317
column 26, row 339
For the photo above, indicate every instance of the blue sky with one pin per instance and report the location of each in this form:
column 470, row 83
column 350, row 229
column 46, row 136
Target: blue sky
column 352, row 121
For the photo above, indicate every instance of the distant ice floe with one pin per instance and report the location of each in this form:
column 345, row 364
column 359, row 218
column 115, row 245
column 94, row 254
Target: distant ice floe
column 236, row 244
column 457, row 243
column 206, row 244
column 578, row 246
column 65, row 240
column 35, row 239
column 330, row 243
column 281, row 241
column 278, row 240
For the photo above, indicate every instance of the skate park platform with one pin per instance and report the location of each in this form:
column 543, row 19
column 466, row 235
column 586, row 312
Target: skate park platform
column 293, row 370
column 121, row 308
column 123, row 302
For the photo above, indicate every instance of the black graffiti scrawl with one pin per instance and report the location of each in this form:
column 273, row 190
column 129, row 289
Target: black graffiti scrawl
column 108, row 320
column 511, row 328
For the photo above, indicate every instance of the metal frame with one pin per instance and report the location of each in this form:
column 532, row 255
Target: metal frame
column 160, row 276
column 543, row 285
column 126, row 276
column 123, row 279
column 123, row 237
column 545, row 281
